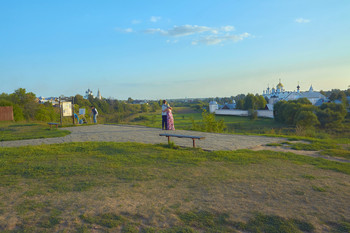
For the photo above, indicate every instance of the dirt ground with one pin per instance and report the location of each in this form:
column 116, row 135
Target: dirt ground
column 142, row 134
column 128, row 133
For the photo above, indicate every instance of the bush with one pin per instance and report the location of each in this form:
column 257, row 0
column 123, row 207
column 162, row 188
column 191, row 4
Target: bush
column 45, row 113
column 331, row 115
column 253, row 114
column 306, row 119
column 210, row 124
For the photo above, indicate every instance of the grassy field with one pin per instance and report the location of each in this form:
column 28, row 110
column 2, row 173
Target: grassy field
column 184, row 118
column 18, row 131
column 130, row 187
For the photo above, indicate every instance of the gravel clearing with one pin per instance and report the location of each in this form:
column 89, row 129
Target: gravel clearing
column 131, row 133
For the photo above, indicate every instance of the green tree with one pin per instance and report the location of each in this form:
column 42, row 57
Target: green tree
column 4, row 102
column 144, row 107
column 306, row 119
column 130, row 100
column 331, row 115
column 250, row 102
column 240, row 104
column 261, row 102
column 303, row 101
column 26, row 101
column 154, row 106
column 46, row 113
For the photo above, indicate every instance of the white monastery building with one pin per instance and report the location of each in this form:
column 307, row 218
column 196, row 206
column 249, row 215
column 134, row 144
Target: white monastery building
column 273, row 96
column 279, row 93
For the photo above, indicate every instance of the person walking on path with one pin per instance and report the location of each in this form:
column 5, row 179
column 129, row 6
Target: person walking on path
column 170, row 119
column 94, row 113
column 165, row 107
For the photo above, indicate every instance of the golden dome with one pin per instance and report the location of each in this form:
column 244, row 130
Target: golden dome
column 279, row 85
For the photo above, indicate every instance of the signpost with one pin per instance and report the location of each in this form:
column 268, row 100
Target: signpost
column 81, row 111
column 66, row 109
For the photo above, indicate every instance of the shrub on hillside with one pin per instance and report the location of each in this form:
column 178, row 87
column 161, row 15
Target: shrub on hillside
column 331, row 115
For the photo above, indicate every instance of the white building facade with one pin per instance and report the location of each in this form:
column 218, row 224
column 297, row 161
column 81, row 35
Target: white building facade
column 279, row 93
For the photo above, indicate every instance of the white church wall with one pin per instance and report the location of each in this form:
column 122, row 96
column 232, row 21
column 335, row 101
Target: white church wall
column 265, row 113
column 237, row 112
column 231, row 112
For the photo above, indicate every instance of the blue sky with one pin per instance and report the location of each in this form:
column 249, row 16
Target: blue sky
column 173, row 49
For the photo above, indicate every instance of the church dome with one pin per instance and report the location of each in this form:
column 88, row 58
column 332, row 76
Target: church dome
column 279, row 86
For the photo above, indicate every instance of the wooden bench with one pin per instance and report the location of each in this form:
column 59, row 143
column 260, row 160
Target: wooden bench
column 51, row 124
column 182, row 136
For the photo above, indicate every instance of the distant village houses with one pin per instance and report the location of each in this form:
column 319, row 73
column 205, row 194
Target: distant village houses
column 53, row 100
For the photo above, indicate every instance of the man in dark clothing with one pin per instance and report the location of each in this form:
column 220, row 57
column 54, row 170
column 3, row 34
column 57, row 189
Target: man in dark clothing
column 94, row 113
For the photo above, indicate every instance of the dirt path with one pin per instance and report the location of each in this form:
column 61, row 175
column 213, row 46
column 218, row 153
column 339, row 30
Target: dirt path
column 131, row 133
column 128, row 133
column 315, row 154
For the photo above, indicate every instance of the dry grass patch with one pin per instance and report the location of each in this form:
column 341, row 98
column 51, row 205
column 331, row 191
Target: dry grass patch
column 135, row 187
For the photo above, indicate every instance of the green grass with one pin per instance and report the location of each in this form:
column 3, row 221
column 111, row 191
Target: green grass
column 318, row 189
column 309, row 177
column 235, row 124
column 340, row 227
column 337, row 153
column 315, row 145
column 94, row 184
column 109, row 220
column 327, row 147
column 20, row 131
column 126, row 160
column 275, row 224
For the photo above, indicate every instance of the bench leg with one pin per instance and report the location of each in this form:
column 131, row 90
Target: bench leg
column 194, row 143
column 168, row 139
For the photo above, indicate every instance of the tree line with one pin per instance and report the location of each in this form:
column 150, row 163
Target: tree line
column 26, row 107
column 302, row 113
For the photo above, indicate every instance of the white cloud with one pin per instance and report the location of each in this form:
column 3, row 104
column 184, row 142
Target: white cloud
column 155, row 19
column 302, row 20
column 135, row 21
column 228, row 28
column 125, row 30
column 172, row 41
column 154, row 30
column 196, row 34
column 186, row 30
column 213, row 39
column 128, row 30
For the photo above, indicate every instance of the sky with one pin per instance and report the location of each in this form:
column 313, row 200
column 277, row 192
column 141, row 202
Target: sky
column 154, row 49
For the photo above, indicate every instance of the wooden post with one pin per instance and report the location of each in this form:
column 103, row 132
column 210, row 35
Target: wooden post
column 73, row 110
column 59, row 103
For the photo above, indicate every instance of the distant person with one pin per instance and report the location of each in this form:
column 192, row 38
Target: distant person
column 165, row 115
column 170, row 119
column 94, row 113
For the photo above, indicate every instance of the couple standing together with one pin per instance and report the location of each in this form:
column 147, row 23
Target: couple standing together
column 167, row 117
